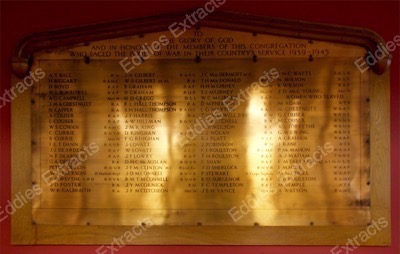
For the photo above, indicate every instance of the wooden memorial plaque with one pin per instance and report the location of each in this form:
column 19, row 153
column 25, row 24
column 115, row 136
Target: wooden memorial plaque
column 241, row 126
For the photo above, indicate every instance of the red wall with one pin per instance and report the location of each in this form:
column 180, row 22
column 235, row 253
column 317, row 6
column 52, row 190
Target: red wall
column 19, row 19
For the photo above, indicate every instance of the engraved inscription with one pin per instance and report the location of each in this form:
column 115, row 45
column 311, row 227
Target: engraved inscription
column 184, row 141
